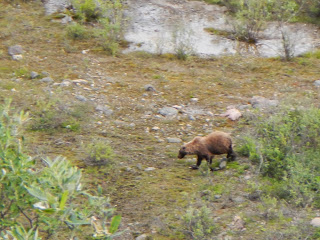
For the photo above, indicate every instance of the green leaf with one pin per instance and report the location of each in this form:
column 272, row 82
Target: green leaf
column 78, row 222
column 115, row 222
column 63, row 200
column 48, row 210
column 37, row 193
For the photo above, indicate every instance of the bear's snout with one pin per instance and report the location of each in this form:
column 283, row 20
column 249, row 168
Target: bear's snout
column 181, row 154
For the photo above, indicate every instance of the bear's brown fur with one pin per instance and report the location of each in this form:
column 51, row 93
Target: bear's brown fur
column 216, row 143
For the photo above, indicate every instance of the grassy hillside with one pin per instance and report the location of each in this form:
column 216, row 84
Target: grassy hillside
column 169, row 201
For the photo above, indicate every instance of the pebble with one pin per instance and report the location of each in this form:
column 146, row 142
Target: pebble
column 168, row 111
column 174, row 140
column 46, row 80
column 149, row 169
column 315, row 222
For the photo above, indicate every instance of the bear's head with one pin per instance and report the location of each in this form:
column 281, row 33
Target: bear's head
column 182, row 152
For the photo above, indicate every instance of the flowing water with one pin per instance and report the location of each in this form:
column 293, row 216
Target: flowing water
column 169, row 26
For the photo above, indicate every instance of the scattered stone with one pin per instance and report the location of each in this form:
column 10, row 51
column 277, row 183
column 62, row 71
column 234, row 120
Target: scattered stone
column 66, row 19
column 65, row 83
column 149, row 169
column 192, row 118
column 210, row 114
column 174, row 140
column 261, row 102
column 205, row 193
column 104, row 109
column 177, row 107
column 53, row 6
column 247, row 177
column 245, row 106
column 139, row 166
column 44, row 73
column 46, row 80
column 149, row 88
column 17, row 57
column 168, row 111
column 34, row 75
column 238, row 223
column 232, row 113
column 15, row 50
column 317, row 83
column 80, row 81
column 81, row 98
column 194, row 100
column 155, row 129
column 315, row 222
column 217, row 196
column 239, row 199
column 223, row 164
column 142, row 237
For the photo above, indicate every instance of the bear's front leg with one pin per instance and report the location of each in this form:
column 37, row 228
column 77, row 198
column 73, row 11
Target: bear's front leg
column 195, row 167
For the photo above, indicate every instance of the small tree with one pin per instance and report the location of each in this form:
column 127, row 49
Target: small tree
column 45, row 197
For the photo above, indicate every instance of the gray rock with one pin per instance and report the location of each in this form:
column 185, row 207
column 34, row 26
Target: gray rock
column 34, row 75
column 17, row 57
column 44, row 73
column 53, row 6
column 191, row 117
column 217, row 196
column 139, row 166
column 315, row 222
column 262, row 102
column 81, row 98
column 223, row 164
column 239, row 199
column 232, row 113
column 142, row 237
column 66, row 19
column 174, row 140
column 317, row 83
column 149, row 169
column 168, row 111
column 15, row 50
column 149, row 88
column 46, row 80
column 104, row 109
column 205, row 193
column 65, row 83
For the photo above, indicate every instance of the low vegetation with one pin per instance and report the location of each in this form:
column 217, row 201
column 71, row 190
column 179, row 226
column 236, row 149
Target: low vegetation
column 121, row 164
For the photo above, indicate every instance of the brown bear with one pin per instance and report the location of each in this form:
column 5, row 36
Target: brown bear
column 215, row 143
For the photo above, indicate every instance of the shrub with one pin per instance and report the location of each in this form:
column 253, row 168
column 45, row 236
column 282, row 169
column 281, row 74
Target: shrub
column 87, row 10
column 76, row 31
column 47, row 198
column 99, row 153
column 51, row 115
column 198, row 223
column 287, row 144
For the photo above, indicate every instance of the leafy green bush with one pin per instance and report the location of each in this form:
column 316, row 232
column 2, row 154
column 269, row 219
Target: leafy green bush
column 87, row 10
column 44, row 198
column 99, row 153
column 287, row 144
column 76, row 31
column 52, row 115
column 198, row 223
